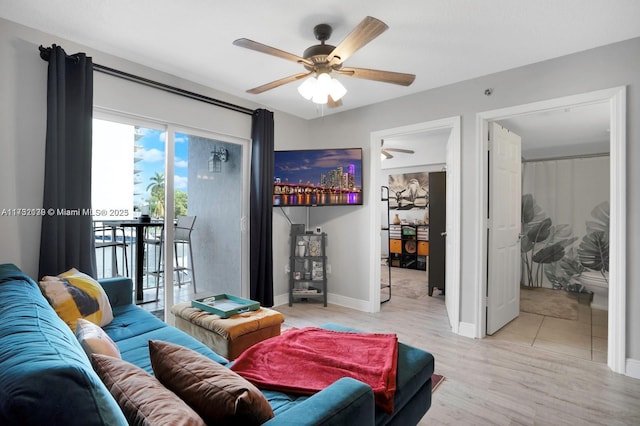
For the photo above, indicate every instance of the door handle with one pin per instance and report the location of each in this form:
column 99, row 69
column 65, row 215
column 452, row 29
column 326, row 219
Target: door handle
column 443, row 234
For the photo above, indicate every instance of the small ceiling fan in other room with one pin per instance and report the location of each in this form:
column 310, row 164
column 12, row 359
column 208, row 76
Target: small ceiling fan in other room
column 322, row 60
column 386, row 152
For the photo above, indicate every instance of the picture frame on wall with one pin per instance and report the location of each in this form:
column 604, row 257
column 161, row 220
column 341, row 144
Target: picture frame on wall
column 408, row 191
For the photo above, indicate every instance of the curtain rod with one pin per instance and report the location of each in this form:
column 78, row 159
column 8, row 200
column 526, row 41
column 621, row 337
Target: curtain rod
column 45, row 52
column 171, row 89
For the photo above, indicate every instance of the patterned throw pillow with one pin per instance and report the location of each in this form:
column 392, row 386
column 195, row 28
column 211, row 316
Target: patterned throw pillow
column 94, row 340
column 76, row 295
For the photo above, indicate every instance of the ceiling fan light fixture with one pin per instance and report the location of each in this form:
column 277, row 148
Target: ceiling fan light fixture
column 322, row 88
column 324, row 81
column 319, row 89
column 320, row 98
column 337, row 90
column 308, row 88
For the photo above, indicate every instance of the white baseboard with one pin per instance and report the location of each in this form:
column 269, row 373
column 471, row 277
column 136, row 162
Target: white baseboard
column 281, row 299
column 334, row 299
column 348, row 302
column 632, row 368
column 467, row 329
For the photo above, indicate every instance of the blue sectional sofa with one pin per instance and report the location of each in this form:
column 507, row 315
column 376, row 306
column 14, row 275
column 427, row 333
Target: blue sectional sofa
column 46, row 378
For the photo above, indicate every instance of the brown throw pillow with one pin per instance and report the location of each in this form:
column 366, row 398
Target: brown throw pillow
column 142, row 398
column 217, row 394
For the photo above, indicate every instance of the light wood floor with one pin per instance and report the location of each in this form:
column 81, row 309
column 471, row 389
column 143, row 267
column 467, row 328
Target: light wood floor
column 489, row 381
column 492, row 382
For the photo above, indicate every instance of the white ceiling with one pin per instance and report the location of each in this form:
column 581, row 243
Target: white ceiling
column 441, row 41
column 567, row 132
column 429, row 148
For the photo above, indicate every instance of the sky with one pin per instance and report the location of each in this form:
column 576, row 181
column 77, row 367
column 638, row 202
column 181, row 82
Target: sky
column 153, row 156
column 112, row 139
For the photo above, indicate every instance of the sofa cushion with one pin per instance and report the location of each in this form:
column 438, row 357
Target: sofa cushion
column 93, row 339
column 218, row 394
column 131, row 321
column 44, row 373
column 143, row 399
column 132, row 328
column 74, row 295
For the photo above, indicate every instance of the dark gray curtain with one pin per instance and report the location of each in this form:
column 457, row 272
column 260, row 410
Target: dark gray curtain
column 261, row 262
column 66, row 239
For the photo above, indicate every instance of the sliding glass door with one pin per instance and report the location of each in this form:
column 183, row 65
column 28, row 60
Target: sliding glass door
column 180, row 177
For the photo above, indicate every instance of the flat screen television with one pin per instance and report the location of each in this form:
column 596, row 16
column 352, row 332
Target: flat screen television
column 318, row 177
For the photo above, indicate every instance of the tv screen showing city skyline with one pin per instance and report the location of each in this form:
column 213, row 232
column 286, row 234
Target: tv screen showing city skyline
column 318, row 177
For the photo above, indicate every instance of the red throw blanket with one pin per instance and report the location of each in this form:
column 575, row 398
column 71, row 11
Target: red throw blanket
column 308, row 360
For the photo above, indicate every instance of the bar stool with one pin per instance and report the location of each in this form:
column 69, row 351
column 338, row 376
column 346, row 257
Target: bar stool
column 154, row 238
column 182, row 236
column 106, row 237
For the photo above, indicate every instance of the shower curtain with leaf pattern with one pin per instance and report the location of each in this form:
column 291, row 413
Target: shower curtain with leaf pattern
column 565, row 220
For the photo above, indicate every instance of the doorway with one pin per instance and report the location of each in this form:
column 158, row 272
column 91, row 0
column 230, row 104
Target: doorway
column 453, row 162
column 413, row 214
column 565, row 190
column 615, row 99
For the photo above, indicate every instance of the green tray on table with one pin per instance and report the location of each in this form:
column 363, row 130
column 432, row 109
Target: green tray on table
column 225, row 305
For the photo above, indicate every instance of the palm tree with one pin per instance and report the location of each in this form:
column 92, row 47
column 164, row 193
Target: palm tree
column 156, row 201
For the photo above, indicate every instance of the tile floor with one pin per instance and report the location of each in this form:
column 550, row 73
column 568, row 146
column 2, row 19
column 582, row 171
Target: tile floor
column 584, row 338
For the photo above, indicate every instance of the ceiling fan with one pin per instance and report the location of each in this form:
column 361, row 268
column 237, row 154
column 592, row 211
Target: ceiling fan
column 386, row 151
column 326, row 59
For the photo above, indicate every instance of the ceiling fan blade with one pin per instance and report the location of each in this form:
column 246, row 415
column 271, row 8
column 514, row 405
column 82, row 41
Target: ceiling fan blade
column 278, row 83
column 386, row 154
column 406, row 151
column 385, row 76
column 368, row 29
column 263, row 48
column 333, row 104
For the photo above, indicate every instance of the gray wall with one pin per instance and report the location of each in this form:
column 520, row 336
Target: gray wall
column 23, row 117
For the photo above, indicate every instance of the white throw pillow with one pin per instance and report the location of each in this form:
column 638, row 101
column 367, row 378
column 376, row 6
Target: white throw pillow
column 94, row 340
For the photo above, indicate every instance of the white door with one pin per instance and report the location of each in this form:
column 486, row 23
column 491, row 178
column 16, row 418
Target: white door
column 452, row 297
column 505, row 192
